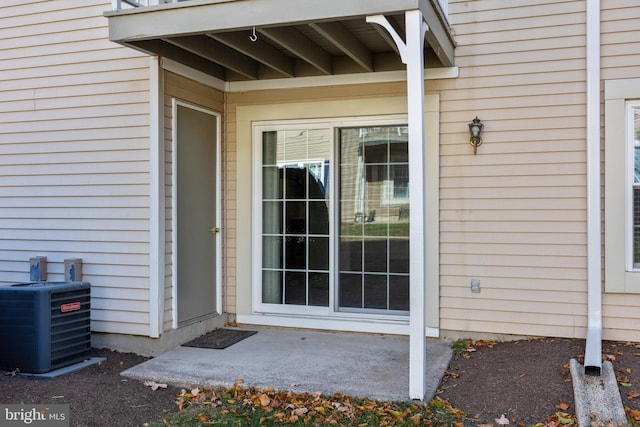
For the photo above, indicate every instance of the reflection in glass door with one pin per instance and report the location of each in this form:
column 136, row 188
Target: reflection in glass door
column 295, row 217
column 374, row 219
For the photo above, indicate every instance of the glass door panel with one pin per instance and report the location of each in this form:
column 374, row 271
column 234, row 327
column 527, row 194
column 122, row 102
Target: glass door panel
column 295, row 217
column 373, row 246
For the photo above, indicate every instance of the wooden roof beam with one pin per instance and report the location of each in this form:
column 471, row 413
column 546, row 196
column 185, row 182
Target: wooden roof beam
column 218, row 53
column 337, row 34
column 301, row 46
column 161, row 48
column 259, row 50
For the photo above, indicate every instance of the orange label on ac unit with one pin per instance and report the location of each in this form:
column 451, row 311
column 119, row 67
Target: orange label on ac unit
column 72, row 306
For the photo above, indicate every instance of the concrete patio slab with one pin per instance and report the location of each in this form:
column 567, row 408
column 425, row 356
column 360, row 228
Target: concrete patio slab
column 359, row 365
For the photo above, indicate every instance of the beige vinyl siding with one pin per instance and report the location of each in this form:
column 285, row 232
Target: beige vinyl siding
column 183, row 89
column 514, row 216
column 620, row 50
column 620, row 39
column 74, row 166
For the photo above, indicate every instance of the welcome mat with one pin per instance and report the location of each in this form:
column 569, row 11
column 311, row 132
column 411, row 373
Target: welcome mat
column 220, row 338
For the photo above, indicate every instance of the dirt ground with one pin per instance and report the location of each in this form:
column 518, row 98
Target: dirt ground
column 529, row 380
column 98, row 396
column 524, row 380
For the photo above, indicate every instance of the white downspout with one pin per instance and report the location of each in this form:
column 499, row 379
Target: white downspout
column 593, row 351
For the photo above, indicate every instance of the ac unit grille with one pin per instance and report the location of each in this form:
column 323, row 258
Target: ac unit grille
column 70, row 330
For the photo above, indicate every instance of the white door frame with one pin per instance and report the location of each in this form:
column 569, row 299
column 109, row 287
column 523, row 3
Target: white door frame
column 174, row 197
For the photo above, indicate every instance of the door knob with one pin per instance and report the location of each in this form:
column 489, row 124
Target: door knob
column 215, row 230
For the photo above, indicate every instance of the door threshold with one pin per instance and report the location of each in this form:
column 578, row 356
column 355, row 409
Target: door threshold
column 375, row 326
column 199, row 319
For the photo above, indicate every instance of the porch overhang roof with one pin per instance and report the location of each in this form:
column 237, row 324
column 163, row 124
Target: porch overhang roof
column 293, row 38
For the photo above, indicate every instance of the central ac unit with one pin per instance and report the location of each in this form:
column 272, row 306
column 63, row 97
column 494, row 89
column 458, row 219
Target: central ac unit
column 44, row 326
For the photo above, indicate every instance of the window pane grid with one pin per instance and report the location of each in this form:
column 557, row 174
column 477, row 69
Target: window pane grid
column 373, row 260
column 295, row 261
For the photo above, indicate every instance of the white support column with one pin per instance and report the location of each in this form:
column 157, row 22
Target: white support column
column 412, row 54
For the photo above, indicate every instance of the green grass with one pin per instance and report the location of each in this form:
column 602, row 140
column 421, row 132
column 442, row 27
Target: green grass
column 396, row 229
column 460, row 347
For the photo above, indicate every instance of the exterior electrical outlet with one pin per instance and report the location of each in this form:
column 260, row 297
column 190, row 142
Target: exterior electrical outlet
column 73, row 269
column 475, row 286
column 38, row 269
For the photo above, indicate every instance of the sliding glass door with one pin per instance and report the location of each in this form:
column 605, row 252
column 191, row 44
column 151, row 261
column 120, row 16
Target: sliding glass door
column 374, row 219
column 323, row 253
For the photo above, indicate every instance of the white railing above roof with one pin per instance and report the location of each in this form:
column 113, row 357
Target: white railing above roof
column 117, row 4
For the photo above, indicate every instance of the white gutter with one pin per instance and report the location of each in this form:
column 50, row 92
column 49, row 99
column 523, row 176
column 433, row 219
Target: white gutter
column 593, row 351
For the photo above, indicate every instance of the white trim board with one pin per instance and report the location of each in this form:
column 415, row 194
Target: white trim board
column 303, row 82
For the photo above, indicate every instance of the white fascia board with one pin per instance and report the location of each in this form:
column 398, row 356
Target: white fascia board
column 213, row 15
column 199, row 76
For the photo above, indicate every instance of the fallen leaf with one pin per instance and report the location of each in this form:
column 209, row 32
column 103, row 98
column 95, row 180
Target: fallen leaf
column 563, row 406
column 202, row 418
column 300, row 411
column 563, row 418
column 264, row 400
column 154, row 385
column 502, row 421
column 633, row 394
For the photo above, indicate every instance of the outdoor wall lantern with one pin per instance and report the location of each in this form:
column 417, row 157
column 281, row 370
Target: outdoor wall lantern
column 475, row 131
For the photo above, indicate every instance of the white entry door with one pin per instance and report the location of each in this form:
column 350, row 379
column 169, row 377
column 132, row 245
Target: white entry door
column 196, row 222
